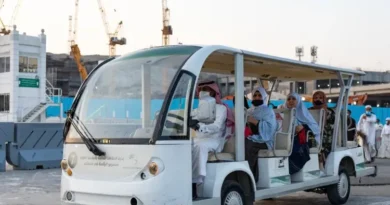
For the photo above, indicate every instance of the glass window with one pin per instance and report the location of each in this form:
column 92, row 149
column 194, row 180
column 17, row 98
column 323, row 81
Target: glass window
column 28, row 64
column 23, row 62
column 32, row 65
column 122, row 98
column 2, row 65
column 4, row 102
column 2, row 108
column 7, row 64
column 175, row 125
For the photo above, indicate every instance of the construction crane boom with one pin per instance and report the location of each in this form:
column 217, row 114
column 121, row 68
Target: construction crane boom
column 167, row 28
column 4, row 29
column 118, row 28
column 112, row 37
column 77, row 57
column 104, row 18
column 70, row 36
column 75, row 25
column 15, row 13
column 75, row 50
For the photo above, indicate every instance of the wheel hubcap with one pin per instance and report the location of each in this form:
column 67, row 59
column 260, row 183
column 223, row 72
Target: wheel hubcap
column 233, row 198
column 343, row 185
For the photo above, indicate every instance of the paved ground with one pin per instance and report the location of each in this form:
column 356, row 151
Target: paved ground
column 41, row 187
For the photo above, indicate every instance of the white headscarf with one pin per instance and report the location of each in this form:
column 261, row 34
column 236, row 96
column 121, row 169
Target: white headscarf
column 264, row 95
column 304, row 117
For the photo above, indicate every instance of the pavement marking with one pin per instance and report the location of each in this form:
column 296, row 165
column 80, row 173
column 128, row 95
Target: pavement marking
column 380, row 203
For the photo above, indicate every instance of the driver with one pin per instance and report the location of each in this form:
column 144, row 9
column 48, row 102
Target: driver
column 209, row 137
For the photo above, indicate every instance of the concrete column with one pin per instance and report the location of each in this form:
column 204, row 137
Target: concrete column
column 61, row 112
column 15, row 109
column 42, row 116
column 42, row 67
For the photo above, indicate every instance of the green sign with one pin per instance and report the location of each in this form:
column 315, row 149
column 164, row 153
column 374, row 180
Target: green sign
column 28, row 83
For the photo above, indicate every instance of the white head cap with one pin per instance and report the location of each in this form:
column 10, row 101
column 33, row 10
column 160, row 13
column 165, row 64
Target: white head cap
column 388, row 119
column 368, row 106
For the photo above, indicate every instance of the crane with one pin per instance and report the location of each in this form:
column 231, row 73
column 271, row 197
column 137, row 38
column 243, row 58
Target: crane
column 4, row 29
column 166, row 32
column 70, row 36
column 167, row 28
column 15, row 13
column 75, row 50
column 112, row 37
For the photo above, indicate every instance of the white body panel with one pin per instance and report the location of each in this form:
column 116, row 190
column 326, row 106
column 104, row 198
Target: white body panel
column 216, row 174
column 274, row 172
column 334, row 159
column 310, row 171
column 118, row 183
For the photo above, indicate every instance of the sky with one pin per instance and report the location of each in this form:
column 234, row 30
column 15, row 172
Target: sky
column 348, row 33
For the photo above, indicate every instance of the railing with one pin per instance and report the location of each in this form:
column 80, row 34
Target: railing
column 25, row 111
column 52, row 92
column 52, row 96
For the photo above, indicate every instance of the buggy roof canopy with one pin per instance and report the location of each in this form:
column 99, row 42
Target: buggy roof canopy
column 269, row 67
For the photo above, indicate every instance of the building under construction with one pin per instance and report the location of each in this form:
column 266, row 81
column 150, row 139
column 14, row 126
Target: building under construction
column 62, row 71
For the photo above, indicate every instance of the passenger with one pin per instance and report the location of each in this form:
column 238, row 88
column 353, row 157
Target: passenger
column 320, row 102
column 263, row 125
column 209, row 137
column 304, row 122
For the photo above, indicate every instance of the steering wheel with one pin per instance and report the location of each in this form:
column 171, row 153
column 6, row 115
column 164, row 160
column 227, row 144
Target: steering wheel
column 174, row 125
column 176, row 116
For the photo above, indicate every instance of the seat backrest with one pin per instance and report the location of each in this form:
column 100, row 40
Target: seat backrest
column 319, row 117
column 279, row 118
column 284, row 135
column 229, row 146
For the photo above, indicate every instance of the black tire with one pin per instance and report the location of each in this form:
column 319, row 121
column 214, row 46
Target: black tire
column 343, row 187
column 233, row 189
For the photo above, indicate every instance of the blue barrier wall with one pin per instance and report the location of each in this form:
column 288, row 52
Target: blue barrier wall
column 133, row 106
column 36, row 145
column 6, row 135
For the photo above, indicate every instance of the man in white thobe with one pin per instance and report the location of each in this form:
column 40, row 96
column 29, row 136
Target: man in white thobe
column 384, row 150
column 367, row 125
column 378, row 131
column 209, row 137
